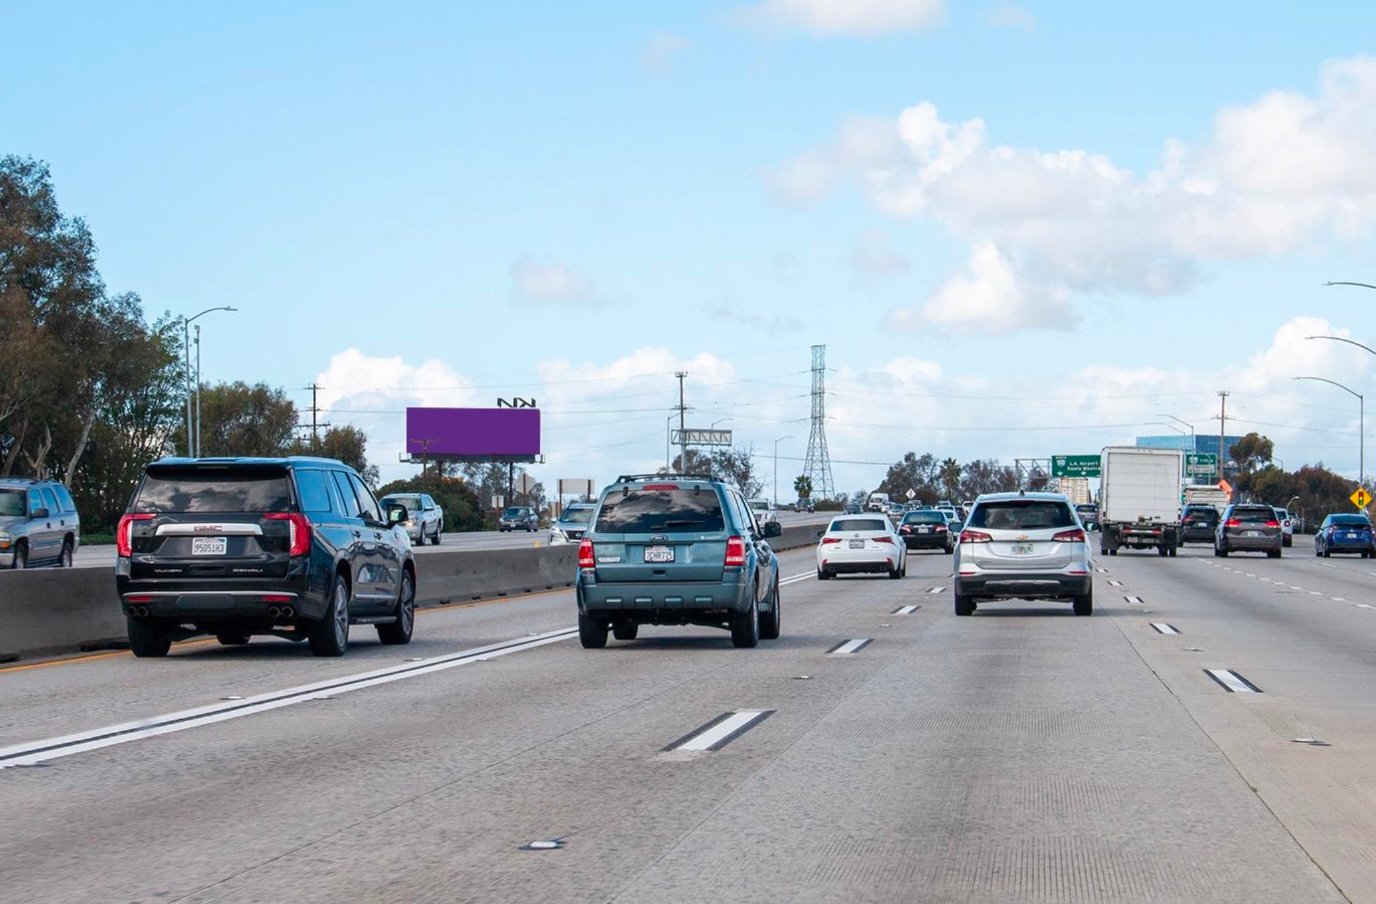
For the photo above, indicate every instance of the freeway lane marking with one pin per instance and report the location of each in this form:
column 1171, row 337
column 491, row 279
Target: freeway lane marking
column 36, row 752
column 906, row 610
column 847, row 647
column 1232, row 682
column 721, row 731
column 1113, row 583
column 1163, row 628
column 936, row 590
column 1133, row 599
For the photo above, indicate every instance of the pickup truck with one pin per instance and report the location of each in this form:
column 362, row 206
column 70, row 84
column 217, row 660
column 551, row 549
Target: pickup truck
column 424, row 516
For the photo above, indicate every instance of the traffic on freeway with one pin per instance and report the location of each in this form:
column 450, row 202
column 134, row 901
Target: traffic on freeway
column 1203, row 737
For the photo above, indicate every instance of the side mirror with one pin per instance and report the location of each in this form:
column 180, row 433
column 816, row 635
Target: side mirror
column 396, row 513
column 39, row 512
column 772, row 529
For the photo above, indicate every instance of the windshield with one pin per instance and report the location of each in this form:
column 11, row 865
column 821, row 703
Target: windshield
column 577, row 515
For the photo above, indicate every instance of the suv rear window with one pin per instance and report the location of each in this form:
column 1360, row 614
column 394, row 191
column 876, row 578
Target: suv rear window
column 12, row 503
column 676, row 511
column 1021, row 514
column 1253, row 513
column 202, row 490
column 929, row 517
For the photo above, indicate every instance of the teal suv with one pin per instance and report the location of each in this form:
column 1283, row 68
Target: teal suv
column 678, row 549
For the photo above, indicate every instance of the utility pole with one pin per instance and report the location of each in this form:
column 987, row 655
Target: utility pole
column 315, row 425
column 682, row 428
column 1222, row 427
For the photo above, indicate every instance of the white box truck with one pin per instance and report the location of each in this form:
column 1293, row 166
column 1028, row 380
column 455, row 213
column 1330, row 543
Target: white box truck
column 1139, row 499
column 1207, row 494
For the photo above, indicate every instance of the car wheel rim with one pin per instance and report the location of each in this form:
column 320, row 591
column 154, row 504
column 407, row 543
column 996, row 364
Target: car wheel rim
column 341, row 614
column 408, row 605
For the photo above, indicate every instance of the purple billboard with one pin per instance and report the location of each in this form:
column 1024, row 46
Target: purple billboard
column 473, row 433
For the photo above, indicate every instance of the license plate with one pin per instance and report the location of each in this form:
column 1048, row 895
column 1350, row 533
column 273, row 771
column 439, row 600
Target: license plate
column 1349, row 536
column 857, row 544
column 924, row 530
column 1251, row 533
column 207, row 546
column 659, row 554
column 1022, row 549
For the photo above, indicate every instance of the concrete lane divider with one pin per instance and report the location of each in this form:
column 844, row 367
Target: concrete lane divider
column 51, row 611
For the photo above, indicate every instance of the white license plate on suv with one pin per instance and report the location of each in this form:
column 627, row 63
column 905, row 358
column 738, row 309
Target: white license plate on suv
column 207, row 546
column 659, row 555
column 1021, row 549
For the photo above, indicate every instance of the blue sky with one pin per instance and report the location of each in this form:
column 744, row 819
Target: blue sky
column 1020, row 229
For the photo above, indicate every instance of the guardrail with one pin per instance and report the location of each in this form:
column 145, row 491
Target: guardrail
column 52, row 611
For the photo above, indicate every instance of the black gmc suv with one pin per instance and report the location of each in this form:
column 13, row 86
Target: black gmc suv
column 295, row 547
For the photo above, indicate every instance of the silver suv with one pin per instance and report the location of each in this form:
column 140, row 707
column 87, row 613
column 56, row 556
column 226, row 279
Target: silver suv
column 1023, row 546
column 39, row 524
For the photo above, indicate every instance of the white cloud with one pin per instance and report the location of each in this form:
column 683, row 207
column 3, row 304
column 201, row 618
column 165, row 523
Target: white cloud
column 990, row 298
column 1010, row 15
column 550, row 281
column 858, row 18
column 1275, row 174
column 662, row 49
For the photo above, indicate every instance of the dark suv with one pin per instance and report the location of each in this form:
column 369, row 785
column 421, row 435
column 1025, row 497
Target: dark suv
column 1198, row 524
column 678, row 549
column 519, row 517
column 295, row 547
column 39, row 524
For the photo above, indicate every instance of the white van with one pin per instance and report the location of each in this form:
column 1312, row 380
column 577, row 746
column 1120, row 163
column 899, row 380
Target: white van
column 877, row 502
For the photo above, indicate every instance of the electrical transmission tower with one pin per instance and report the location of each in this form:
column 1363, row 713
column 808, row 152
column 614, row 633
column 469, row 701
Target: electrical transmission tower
column 817, row 466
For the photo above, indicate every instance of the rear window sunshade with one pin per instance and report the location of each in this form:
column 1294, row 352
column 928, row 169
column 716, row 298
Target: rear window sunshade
column 203, row 490
column 679, row 511
column 1021, row 515
column 859, row 524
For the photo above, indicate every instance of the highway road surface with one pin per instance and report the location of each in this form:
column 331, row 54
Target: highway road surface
column 1209, row 735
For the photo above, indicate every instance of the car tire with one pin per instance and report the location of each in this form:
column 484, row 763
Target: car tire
column 1328, row 553
column 592, row 632
column 1163, row 551
column 21, row 556
column 964, row 605
column 772, row 621
column 64, row 559
column 1316, row 552
column 232, row 639
column 330, row 635
column 1288, row 541
column 1174, row 550
column 822, row 575
column 1083, row 604
column 1273, row 553
column 399, row 631
column 895, row 573
column 439, row 532
column 148, row 639
column 745, row 627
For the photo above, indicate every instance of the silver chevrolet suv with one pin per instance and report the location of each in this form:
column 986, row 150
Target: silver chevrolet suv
column 39, row 524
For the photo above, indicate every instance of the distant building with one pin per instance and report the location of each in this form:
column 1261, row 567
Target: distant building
column 1199, row 442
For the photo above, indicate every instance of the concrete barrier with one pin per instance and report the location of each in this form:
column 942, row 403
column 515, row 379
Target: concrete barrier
column 50, row 611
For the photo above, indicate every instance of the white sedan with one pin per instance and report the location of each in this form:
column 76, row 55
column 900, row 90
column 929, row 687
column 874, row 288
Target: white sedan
column 860, row 543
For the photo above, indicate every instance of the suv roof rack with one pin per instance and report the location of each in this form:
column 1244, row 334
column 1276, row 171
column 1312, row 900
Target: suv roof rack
column 635, row 478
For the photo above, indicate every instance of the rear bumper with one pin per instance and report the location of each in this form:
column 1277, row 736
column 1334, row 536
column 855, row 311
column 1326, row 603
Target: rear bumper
column 1197, row 534
column 652, row 597
column 927, row 541
column 1257, row 543
column 1024, row 586
column 221, row 601
column 1349, row 546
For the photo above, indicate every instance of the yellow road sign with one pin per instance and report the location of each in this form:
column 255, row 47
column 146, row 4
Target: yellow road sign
column 1360, row 498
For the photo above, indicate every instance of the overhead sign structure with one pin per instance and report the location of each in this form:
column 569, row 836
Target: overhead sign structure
column 473, row 434
column 1360, row 498
column 1074, row 466
column 691, row 437
column 1200, row 464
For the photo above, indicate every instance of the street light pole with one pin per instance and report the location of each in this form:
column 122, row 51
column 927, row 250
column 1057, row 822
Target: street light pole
column 1362, row 284
column 1361, row 425
column 1174, row 418
column 776, row 467
column 192, row 434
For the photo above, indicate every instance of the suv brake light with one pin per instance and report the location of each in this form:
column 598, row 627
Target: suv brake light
column 1074, row 535
column 975, row 536
column 124, row 533
column 660, row 486
column 299, row 543
column 586, row 558
column 1273, row 523
column 1233, row 522
column 735, row 552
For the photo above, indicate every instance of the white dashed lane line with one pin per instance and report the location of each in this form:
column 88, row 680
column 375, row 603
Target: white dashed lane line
column 846, row 647
column 1232, row 682
column 721, row 731
column 1163, row 628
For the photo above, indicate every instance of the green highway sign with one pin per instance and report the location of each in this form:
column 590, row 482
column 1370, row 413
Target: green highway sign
column 1074, row 466
column 1201, row 464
